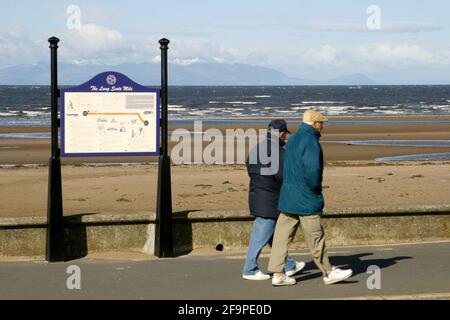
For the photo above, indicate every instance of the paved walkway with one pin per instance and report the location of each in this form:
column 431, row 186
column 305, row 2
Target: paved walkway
column 407, row 271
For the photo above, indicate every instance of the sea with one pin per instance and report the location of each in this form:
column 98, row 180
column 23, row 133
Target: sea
column 30, row 105
column 246, row 105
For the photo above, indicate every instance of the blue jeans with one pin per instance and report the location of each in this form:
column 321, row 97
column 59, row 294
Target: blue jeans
column 262, row 234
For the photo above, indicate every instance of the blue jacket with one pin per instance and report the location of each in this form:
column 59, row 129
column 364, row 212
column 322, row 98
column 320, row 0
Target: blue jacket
column 264, row 190
column 301, row 192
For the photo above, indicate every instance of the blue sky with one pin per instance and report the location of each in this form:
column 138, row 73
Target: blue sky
column 304, row 39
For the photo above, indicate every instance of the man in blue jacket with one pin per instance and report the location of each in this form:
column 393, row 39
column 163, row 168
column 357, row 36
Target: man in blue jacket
column 301, row 202
column 265, row 185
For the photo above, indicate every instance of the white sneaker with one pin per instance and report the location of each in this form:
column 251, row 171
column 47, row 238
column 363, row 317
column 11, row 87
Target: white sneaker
column 283, row 280
column 337, row 275
column 298, row 267
column 257, row 276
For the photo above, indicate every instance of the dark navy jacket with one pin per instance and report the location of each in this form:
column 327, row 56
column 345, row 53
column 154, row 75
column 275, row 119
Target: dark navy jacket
column 301, row 192
column 265, row 189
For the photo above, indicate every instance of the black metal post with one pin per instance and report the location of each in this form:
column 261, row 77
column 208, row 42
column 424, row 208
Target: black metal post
column 55, row 226
column 163, row 232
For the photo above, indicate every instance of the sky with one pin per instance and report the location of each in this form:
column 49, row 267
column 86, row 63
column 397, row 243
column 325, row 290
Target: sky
column 392, row 42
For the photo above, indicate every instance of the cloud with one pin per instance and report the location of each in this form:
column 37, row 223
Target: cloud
column 327, row 54
column 327, row 61
column 410, row 27
column 156, row 59
column 397, row 55
column 92, row 42
column 18, row 47
column 333, row 27
column 324, row 56
column 185, row 62
column 386, row 27
column 382, row 55
column 96, row 44
column 219, row 60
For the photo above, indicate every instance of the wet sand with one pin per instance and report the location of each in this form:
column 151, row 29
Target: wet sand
column 37, row 151
column 351, row 177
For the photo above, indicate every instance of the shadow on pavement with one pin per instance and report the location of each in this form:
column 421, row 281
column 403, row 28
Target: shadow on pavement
column 360, row 266
column 351, row 261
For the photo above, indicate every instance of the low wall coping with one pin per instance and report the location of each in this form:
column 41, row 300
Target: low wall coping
column 146, row 217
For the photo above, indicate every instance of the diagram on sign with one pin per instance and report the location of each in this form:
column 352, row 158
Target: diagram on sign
column 119, row 122
column 145, row 122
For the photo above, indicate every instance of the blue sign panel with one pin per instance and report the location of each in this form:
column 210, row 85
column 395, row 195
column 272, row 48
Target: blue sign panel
column 110, row 115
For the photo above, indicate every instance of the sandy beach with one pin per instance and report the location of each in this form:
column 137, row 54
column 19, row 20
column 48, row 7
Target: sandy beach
column 352, row 177
column 132, row 188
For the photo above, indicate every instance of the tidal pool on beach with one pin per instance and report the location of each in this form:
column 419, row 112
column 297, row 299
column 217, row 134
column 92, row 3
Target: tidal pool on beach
column 417, row 157
column 405, row 143
column 397, row 143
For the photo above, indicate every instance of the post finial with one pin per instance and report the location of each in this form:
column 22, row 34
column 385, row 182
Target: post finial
column 53, row 41
column 164, row 42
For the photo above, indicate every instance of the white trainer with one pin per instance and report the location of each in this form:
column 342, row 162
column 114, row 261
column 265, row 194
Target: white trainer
column 283, row 280
column 337, row 275
column 298, row 267
column 257, row 276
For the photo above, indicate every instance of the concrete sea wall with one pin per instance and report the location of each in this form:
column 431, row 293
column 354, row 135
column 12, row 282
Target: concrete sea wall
column 87, row 233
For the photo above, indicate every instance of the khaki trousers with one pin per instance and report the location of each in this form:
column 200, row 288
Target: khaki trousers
column 285, row 231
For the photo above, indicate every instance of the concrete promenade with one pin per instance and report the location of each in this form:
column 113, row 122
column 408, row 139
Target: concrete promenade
column 407, row 271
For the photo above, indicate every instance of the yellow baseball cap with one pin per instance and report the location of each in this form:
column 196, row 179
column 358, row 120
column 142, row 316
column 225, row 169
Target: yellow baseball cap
column 312, row 116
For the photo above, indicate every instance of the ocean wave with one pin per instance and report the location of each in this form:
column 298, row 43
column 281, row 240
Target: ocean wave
column 439, row 106
column 30, row 113
column 338, row 108
column 387, row 107
column 26, row 135
column 233, row 102
column 26, row 165
column 202, row 112
column 12, row 111
column 321, row 102
column 247, row 102
column 390, row 112
column 363, row 108
column 263, row 96
column 176, row 108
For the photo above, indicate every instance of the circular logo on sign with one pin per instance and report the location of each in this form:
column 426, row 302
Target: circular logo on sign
column 111, row 79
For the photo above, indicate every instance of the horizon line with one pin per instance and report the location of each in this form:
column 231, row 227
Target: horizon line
column 254, row 85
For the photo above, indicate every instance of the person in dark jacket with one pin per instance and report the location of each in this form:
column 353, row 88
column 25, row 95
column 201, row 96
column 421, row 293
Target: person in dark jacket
column 266, row 178
column 301, row 202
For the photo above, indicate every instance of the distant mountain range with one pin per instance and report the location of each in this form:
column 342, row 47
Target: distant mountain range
column 149, row 74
